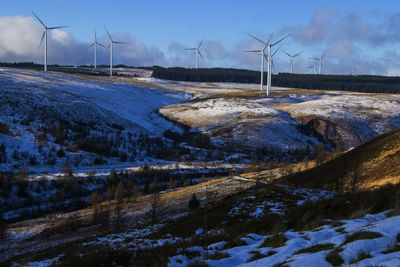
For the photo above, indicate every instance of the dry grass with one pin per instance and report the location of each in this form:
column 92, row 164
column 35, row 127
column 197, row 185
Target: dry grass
column 315, row 248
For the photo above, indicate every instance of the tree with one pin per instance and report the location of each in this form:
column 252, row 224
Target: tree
column 94, row 201
column 22, row 174
column 60, row 153
column 94, row 198
column 67, row 170
column 113, row 177
column 3, row 228
column 320, row 154
column 194, row 203
column 171, row 183
column 135, row 192
column 119, row 192
column 118, row 196
column 155, row 200
column 110, row 194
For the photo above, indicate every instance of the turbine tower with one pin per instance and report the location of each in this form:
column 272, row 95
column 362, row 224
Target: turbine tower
column 95, row 43
column 198, row 53
column 269, row 59
column 262, row 51
column 45, row 37
column 272, row 60
column 320, row 62
column 269, row 79
column 111, row 49
column 291, row 59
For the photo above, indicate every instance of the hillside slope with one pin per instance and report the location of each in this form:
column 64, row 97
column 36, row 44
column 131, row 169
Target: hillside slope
column 373, row 164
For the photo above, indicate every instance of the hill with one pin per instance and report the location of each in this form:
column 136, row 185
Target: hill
column 373, row 164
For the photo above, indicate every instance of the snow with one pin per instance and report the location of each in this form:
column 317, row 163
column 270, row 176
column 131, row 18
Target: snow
column 133, row 103
column 388, row 227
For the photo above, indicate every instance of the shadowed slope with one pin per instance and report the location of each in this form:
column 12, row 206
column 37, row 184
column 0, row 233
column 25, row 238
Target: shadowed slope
column 373, row 164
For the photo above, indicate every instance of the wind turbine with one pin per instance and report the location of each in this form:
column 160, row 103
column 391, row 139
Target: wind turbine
column 111, row 49
column 262, row 51
column 45, row 37
column 291, row 59
column 198, row 53
column 312, row 68
column 95, row 43
column 320, row 62
column 269, row 46
column 315, row 65
column 272, row 58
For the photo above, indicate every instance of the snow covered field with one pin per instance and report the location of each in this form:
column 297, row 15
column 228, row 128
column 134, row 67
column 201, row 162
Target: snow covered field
column 369, row 241
column 84, row 100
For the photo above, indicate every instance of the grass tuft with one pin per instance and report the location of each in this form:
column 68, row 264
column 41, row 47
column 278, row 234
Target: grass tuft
column 316, row 248
column 361, row 256
column 361, row 236
column 256, row 255
column 334, row 258
column 275, row 241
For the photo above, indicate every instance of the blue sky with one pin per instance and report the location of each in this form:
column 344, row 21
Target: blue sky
column 158, row 32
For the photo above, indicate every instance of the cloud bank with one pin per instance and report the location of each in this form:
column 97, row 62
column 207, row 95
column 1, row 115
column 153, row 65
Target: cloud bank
column 350, row 40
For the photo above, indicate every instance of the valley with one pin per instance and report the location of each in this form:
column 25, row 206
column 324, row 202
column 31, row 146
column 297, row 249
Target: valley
column 103, row 169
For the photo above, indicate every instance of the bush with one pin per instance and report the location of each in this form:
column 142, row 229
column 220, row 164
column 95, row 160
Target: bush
column 194, row 203
column 99, row 257
column 60, row 153
column 4, row 128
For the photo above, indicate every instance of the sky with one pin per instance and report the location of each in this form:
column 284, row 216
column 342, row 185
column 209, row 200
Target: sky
column 360, row 35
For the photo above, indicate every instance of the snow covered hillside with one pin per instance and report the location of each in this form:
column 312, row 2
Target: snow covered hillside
column 44, row 113
column 289, row 119
column 372, row 240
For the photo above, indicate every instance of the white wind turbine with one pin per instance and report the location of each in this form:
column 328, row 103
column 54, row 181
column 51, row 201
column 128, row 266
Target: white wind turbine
column 320, row 62
column 45, row 37
column 198, row 53
column 262, row 52
column 111, row 50
column 291, row 59
column 95, row 43
column 272, row 59
column 269, row 60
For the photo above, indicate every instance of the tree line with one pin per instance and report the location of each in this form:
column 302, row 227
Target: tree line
column 359, row 83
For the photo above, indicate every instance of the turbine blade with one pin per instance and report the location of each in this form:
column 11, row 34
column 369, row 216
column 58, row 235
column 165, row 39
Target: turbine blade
column 100, row 44
column 41, row 40
column 287, row 53
column 257, row 39
column 198, row 47
column 190, row 48
column 201, row 55
column 58, row 27
column 277, row 42
column 109, row 36
column 315, row 58
column 91, row 45
column 115, row 42
column 252, row 51
column 38, row 19
column 324, row 54
column 298, row 54
column 276, row 51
